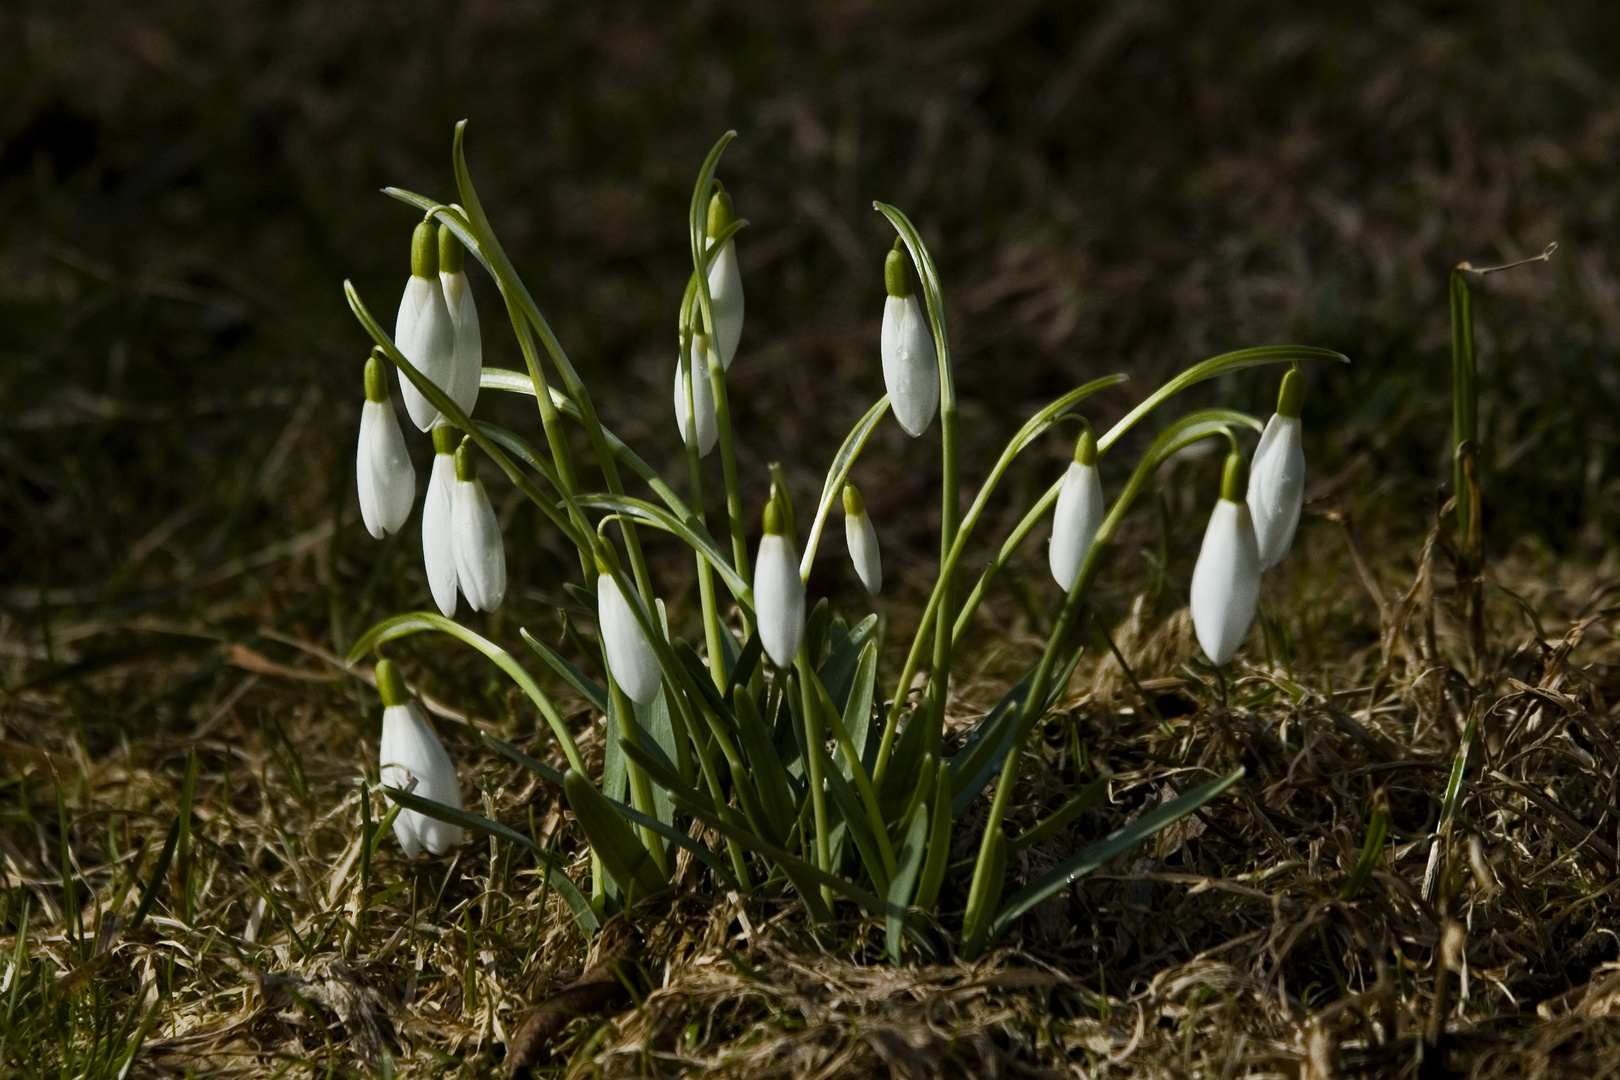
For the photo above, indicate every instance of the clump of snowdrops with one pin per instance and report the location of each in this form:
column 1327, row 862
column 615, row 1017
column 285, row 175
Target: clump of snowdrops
column 773, row 732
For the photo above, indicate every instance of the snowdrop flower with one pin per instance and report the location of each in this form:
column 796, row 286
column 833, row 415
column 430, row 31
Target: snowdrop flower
column 910, row 364
column 629, row 654
column 382, row 467
column 862, row 540
column 423, row 331
column 1277, row 480
column 1226, row 581
column 467, row 362
column 702, row 400
column 475, row 537
column 778, row 589
column 725, row 282
column 413, row 759
column 438, row 550
column 1079, row 512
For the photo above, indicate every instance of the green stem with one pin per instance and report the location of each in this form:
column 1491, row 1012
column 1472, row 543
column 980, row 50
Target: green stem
column 1464, row 391
column 694, row 472
column 814, row 746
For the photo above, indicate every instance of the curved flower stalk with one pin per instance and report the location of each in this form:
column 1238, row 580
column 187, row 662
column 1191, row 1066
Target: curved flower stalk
column 467, row 363
column 910, row 364
column 778, row 590
column 725, row 280
column 1080, row 510
column 862, row 540
column 413, row 759
column 476, row 537
column 1277, row 477
column 629, row 654
column 701, row 400
column 438, row 541
column 423, row 330
column 1226, row 581
column 383, row 472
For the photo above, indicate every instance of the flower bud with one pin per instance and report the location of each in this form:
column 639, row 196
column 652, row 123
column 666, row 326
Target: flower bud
column 467, row 363
column 423, row 331
column 413, row 759
column 1226, row 580
column 1277, row 479
column 862, row 540
column 438, row 543
column 707, row 427
column 384, row 475
column 1079, row 513
column 910, row 364
column 629, row 654
column 476, row 537
column 725, row 281
column 778, row 589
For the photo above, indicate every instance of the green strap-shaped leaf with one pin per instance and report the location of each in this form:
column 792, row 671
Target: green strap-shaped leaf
column 690, row 530
column 839, row 670
column 939, row 841
column 858, row 709
column 415, row 622
column 588, row 688
column 771, row 780
column 907, row 864
column 663, row 775
column 860, row 831
column 1116, row 843
column 837, row 473
column 1083, row 800
column 622, row 854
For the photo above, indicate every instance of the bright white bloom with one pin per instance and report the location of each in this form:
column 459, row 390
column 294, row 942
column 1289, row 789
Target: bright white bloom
column 725, row 282
column 438, row 546
column 778, row 590
column 467, row 362
column 476, row 538
column 1226, row 581
column 862, row 540
column 1277, row 478
column 1079, row 513
column 423, row 330
column 382, row 466
column 629, row 654
column 910, row 364
column 707, row 427
column 413, row 759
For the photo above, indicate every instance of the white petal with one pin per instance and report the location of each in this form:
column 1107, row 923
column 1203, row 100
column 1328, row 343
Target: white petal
column 1079, row 513
column 1226, row 581
column 726, row 298
column 1277, row 487
column 438, row 542
column 910, row 364
column 708, row 428
column 779, row 599
column 480, row 555
column 430, row 348
column 410, row 751
column 864, row 551
column 410, row 309
column 468, row 364
column 629, row 654
column 383, row 470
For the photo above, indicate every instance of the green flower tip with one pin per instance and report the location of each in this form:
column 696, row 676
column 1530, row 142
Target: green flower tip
column 1235, row 478
column 607, row 560
column 853, row 506
column 424, row 256
column 376, row 380
column 444, row 439
column 721, row 213
column 465, row 469
column 1085, row 448
column 774, row 520
column 390, row 686
column 452, row 256
column 1292, row 395
column 895, row 278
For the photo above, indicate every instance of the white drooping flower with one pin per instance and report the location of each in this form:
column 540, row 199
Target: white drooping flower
column 629, row 654
column 862, row 540
column 382, row 466
column 707, row 428
column 467, row 363
column 1226, row 581
column 438, row 542
column 1080, row 511
column 423, row 331
column 1277, row 477
column 778, row 589
column 910, row 364
column 476, row 537
column 725, row 281
column 413, row 759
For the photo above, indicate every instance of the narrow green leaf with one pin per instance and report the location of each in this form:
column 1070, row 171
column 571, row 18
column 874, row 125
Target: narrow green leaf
column 832, row 488
column 775, row 790
column 1377, row 828
column 1083, row 800
column 858, row 708
column 838, row 672
column 690, row 530
column 939, row 841
column 860, row 830
column 588, row 688
column 664, row 775
column 907, row 864
column 158, row 871
column 621, row 851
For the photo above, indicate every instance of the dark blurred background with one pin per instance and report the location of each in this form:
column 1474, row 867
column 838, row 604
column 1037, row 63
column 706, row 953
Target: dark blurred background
column 1114, row 186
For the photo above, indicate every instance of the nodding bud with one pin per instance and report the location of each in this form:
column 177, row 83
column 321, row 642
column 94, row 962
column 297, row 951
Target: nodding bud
column 721, row 213
column 465, row 467
column 1291, row 395
column 376, row 380
column 1235, row 478
column 1085, row 448
column 452, row 256
column 390, row 686
column 773, row 520
column 895, row 278
column 444, row 439
column 853, row 506
column 862, row 541
column 778, row 589
column 424, row 253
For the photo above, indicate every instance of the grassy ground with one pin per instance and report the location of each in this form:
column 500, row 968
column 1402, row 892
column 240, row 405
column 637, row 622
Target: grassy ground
column 1132, row 187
